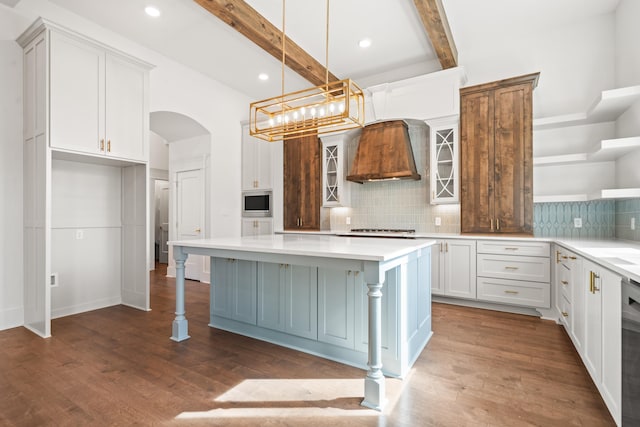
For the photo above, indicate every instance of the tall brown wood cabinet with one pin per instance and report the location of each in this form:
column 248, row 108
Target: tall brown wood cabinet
column 302, row 183
column 496, row 156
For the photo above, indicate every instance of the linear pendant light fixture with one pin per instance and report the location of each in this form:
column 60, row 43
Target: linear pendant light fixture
column 330, row 107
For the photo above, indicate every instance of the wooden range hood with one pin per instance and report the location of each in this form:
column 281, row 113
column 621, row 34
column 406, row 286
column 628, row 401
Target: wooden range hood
column 384, row 153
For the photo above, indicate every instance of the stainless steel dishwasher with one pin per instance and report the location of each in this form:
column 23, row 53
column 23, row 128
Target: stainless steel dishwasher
column 630, row 353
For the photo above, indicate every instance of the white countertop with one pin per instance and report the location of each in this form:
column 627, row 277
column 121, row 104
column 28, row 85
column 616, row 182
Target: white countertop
column 316, row 245
column 620, row 256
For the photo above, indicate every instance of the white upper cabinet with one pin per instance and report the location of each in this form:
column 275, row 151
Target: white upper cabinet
column 335, row 187
column 97, row 100
column 256, row 162
column 444, row 170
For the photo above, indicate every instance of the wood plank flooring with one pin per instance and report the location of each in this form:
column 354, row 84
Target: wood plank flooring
column 117, row 366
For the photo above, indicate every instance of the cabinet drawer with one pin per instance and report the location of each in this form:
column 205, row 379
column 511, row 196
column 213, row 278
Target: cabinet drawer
column 527, row 294
column 565, row 313
column 564, row 281
column 514, row 267
column 498, row 247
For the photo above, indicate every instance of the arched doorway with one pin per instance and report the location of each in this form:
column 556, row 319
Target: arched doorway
column 180, row 158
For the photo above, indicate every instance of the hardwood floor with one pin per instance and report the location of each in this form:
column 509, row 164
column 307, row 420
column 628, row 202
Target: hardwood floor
column 117, row 366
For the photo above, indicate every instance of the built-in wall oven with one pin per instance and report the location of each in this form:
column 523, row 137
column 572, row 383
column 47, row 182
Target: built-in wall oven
column 630, row 353
column 257, row 203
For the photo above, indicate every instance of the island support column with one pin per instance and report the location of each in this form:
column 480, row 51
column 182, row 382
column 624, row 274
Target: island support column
column 180, row 323
column 374, row 383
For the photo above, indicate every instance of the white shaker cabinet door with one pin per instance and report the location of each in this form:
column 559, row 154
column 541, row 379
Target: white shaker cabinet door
column 125, row 119
column 77, row 95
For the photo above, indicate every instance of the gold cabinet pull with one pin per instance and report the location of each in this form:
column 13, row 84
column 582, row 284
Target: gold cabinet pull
column 108, row 146
column 491, row 221
column 197, row 230
column 573, row 258
column 511, row 268
column 564, row 282
column 446, row 247
column 565, row 314
column 511, row 249
column 512, row 292
column 498, row 224
column 102, row 144
column 591, row 280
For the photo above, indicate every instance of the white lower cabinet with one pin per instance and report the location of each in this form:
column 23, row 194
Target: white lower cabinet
column 602, row 351
column 233, row 289
column 257, row 227
column 453, row 268
column 288, row 298
column 514, row 272
column 570, row 295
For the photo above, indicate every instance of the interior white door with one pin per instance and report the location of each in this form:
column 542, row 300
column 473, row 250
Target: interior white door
column 163, row 221
column 190, row 216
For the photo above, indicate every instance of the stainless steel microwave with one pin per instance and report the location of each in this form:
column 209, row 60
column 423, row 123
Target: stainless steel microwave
column 257, row 203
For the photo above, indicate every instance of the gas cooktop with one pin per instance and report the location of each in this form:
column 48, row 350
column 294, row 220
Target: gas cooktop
column 400, row 233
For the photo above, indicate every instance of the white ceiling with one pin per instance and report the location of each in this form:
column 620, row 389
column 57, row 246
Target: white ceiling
column 188, row 34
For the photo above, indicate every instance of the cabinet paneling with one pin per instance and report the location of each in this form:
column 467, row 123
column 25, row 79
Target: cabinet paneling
column 77, row 198
column 336, row 290
column 453, row 268
column 98, row 100
column 602, row 351
column 256, row 162
column 288, row 298
column 302, row 183
column 496, row 156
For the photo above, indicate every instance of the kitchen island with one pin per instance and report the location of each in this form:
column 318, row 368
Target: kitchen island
column 361, row 301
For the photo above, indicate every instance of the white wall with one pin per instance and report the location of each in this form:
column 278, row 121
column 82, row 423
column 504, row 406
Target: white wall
column 628, row 74
column 11, row 258
column 575, row 61
column 158, row 152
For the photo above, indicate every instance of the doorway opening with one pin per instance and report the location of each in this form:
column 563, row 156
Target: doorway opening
column 184, row 190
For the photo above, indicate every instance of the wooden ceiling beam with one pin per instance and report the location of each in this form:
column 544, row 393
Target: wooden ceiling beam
column 434, row 20
column 248, row 22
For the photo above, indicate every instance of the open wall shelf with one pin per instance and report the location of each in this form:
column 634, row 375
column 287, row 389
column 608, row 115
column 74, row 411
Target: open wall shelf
column 588, row 174
column 604, row 151
column 606, row 108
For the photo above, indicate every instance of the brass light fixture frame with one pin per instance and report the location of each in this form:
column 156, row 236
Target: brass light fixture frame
column 330, row 107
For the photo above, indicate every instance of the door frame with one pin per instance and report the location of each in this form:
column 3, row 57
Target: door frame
column 201, row 163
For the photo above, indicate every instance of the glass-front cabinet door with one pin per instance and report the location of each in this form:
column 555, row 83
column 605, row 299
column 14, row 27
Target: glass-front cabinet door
column 334, row 185
column 444, row 160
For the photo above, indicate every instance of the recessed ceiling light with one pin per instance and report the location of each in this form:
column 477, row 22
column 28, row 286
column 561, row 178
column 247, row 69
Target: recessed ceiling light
column 364, row 43
column 263, row 76
column 152, row 11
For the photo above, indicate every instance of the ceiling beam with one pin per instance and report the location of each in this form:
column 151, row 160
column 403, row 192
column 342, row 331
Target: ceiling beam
column 247, row 21
column 434, row 20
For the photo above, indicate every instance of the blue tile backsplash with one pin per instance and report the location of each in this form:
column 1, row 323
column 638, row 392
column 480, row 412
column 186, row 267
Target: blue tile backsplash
column 625, row 211
column 557, row 219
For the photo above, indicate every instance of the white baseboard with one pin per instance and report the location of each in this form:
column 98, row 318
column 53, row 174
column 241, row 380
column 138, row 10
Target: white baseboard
column 171, row 271
column 11, row 318
column 88, row 306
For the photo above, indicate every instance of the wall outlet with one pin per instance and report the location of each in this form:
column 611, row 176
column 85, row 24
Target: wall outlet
column 438, row 221
column 577, row 222
column 54, row 280
column 348, row 220
column 79, row 234
column 633, row 223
